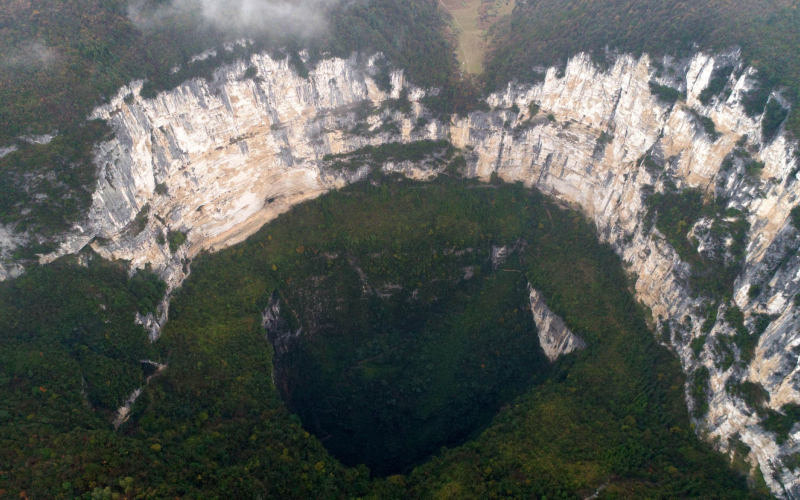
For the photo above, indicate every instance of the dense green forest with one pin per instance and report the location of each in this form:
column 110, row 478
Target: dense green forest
column 60, row 58
column 675, row 212
column 547, row 33
column 63, row 57
column 213, row 425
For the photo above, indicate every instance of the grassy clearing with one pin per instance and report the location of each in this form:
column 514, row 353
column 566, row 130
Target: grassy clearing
column 471, row 21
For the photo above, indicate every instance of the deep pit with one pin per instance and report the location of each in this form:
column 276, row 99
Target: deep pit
column 387, row 291
column 386, row 374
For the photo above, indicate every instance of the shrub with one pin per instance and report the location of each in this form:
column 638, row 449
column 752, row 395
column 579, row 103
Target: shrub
column 795, row 217
column 698, row 391
column 176, row 239
column 251, row 72
column 781, row 423
column 753, row 394
column 697, row 345
column 717, row 83
column 665, row 94
column 707, row 123
column 773, row 117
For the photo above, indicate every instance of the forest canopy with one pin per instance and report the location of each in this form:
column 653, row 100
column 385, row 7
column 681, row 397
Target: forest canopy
column 61, row 58
column 547, row 33
column 213, row 424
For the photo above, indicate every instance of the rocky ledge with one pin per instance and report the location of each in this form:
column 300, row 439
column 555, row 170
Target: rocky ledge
column 205, row 165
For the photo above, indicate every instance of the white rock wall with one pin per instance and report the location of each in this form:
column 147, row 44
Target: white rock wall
column 234, row 153
column 554, row 335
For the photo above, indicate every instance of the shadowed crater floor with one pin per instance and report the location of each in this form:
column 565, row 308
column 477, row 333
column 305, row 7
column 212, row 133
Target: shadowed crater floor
column 387, row 371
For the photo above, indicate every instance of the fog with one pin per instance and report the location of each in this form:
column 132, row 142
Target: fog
column 296, row 17
column 28, row 55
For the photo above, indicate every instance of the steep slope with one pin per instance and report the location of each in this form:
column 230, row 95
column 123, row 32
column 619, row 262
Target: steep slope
column 217, row 160
column 419, row 291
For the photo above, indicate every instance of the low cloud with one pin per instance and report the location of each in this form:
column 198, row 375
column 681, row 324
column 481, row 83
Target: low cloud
column 280, row 17
column 28, row 55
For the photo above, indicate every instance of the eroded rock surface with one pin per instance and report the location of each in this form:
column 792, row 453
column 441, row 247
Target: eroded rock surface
column 554, row 335
column 218, row 160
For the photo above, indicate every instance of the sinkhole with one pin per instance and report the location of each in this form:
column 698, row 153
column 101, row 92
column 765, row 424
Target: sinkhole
column 385, row 369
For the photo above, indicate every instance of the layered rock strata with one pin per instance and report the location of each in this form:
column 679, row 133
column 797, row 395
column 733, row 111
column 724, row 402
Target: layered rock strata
column 554, row 335
column 214, row 161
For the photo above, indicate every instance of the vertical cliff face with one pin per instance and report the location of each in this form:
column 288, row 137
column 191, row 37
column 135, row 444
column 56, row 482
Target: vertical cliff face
column 554, row 336
column 216, row 160
column 562, row 157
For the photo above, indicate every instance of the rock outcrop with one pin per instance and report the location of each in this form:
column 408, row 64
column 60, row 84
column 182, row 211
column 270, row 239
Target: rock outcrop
column 217, row 160
column 554, row 336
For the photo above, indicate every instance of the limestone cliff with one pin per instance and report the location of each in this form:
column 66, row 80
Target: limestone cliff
column 217, row 160
column 554, row 336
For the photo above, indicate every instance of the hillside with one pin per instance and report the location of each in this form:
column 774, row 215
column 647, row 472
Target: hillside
column 543, row 33
column 212, row 423
column 321, row 248
column 64, row 57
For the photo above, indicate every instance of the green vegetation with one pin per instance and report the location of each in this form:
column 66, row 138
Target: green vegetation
column 604, row 140
column 752, row 167
column 251, row 72
column 420, row 362
column 674, row 212
column 718, row 82
column 743, row 339
column 792, row 462
column 781, row 423
column 60, row 58
column 542, row 33
column 147, row 289
column 774, row 115
column 96, row 48
column 533, row 111
column 707, row 123
column 757, row 397
column 700, row 381
column 751, row 393
column 761, row 323
column 140, row 221
column 740, row 452
column 375, row 156
column 69, row 354
column 176, row 239
column 724, row 354
column 650, row 164
column 794, row 215
column 44, row 189
column 665, row 94
column 697, row 345
column 711, row 311
column 213, row 425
